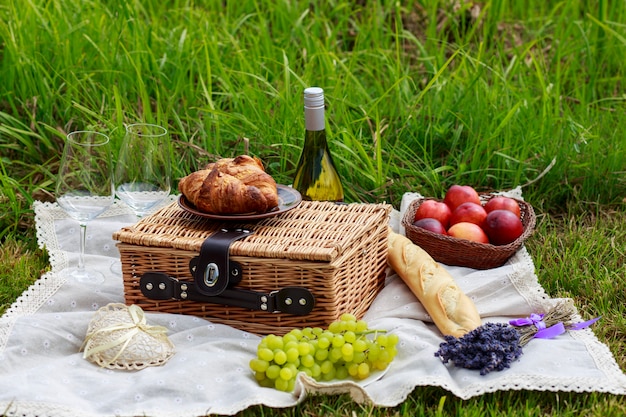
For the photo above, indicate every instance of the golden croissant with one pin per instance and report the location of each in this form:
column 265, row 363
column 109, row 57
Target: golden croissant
column 231, row 186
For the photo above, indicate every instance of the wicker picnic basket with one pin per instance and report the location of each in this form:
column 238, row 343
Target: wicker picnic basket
column 460, row 252
column 337, row 253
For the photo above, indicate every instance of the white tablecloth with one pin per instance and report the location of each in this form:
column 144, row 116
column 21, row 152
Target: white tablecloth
column 43, row 372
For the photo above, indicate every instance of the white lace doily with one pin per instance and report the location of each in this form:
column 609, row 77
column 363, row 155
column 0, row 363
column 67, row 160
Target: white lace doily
column 42, row 371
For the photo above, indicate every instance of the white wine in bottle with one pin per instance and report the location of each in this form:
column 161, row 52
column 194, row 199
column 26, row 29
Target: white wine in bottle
column 316, row 176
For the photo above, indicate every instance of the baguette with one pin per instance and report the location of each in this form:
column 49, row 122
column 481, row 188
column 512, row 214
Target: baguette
column 451, row 310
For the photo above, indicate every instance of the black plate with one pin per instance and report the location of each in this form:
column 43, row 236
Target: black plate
column 288, row 198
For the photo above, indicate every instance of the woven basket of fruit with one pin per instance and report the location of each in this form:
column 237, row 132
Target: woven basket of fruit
column 480, row 231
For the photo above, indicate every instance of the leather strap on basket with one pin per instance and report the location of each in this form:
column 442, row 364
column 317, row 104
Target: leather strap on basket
column 290, row 300
column 214, row 277
column 212, row 270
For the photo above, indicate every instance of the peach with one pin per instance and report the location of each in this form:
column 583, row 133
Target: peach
column 503, row 203
column 468, row 212
column 468, row 231
column 435, row 210
column 459, row 194
column 503, row 227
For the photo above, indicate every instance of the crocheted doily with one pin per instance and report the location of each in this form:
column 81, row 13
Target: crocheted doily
column 118, row 337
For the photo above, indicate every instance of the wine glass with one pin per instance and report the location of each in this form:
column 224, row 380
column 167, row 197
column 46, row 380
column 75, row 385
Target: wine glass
column 84, row 188
column 143, row 169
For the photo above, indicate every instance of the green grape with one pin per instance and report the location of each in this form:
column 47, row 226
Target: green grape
column 307, row 361
column 348, row 317
column 307, row 332
column 292, row 354
column 286, row 373
column 321, row 355
column 280, row 357
column 324, row 342
column 335, row 354
column 316, row 370
column 290, row 345
column 374, row 352
column 326, row 366
column 338, row 341
column 281, row 384
column 272, row 371
column 359, row 357
column 329, row 376
column 304, row 348
column 266, row 354
column 349, row 336
column 393, row 352
column 274, row 342
column 267, row 383
column 349, row 326
column 296, row 333
column 306, row 370
column 343, row 325
column 382, row 340
column 359, row 345
column 347, row 350
column 335, row 327
column 363, row 370
column 259, row 365
column 361, row 326
column 341, row 372
column 353, row 369
column 384, row 356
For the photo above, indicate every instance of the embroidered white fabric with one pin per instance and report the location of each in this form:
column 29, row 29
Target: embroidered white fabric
column 42, row 371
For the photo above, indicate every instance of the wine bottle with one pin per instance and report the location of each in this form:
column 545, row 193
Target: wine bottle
column 316, row 177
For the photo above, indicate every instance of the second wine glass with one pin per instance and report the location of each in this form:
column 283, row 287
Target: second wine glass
column 143, row 168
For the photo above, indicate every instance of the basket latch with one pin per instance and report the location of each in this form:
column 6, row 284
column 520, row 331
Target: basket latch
column 212, row 270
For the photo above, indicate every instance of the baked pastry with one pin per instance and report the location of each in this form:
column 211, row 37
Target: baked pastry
column 231, row 186
column 453, row 312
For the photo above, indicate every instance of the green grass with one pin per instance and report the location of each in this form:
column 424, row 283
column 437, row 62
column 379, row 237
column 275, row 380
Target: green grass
column 420, row 94
column 22, row 263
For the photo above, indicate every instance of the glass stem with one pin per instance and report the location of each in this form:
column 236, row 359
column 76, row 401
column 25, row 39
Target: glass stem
column 81, row 257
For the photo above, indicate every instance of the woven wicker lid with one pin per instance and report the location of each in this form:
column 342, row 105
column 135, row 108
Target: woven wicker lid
column 314, row 231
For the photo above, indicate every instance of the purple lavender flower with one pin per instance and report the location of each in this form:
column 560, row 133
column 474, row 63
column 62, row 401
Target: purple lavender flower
column 490, row 347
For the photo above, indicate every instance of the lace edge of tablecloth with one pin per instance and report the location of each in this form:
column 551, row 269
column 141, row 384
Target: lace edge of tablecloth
column 31, row 300
column 538, row 298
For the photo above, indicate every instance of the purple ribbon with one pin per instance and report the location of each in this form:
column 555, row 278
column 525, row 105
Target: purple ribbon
column 544, row 332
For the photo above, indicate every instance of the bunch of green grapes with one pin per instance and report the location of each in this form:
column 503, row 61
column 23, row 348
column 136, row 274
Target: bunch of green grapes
column 347, row 349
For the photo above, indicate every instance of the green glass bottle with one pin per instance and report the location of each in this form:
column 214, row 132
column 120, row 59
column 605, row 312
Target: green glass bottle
column 316, row 176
